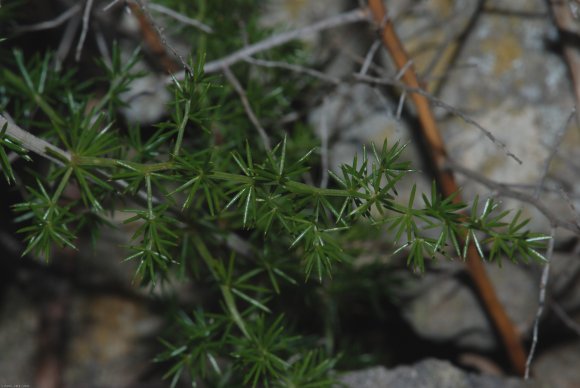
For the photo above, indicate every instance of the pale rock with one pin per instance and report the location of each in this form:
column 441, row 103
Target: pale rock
column 440, row 307
column 429, row 373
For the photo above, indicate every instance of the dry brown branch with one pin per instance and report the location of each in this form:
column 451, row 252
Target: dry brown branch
column 448, row 186
column 153, row 39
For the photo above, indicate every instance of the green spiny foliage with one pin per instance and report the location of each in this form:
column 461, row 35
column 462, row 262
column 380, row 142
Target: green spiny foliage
column 211, row 204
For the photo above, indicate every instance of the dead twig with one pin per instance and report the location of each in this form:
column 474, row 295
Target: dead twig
column 566, row 23
column 505, row 190
column 215, row 66
column 66, row 42
column 154, row 40
column 49, row 24
column 247, row 107
column 85, row 30
column 179, row 17
column 415, row 90
column 370, row 56
column 541, row 302
column 448, row 186
column 553, row 150
column 565, row 318
column 324, row 135
column 110, row 5
column 294, row 68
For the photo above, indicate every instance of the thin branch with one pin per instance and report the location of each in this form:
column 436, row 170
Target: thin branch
column 154, row 38
column 47, row 25
column 369, row 57
column 541, row 301
column 505, row 191
column 400, row 105
column 564, row 19
column 295, row 68
column 247, row 107
column 102, row 46
column 566, row 197
column 66, row 42
column 177, row 16
column 564, row 317
column 553, row 150
column 60, row 157
column 429, row 131
column 85, row 30
column 324, row 144
column 354, row 16
column 390, row 82
column 35, row 144
column 110, row 5
column 437, row 102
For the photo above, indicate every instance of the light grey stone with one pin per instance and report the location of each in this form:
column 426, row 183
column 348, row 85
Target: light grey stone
column 430, row 373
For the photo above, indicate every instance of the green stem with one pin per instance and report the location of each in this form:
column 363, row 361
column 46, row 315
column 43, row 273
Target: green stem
column 181, row 129
column 226, row 291
column 58, row 192
column 292, row 186
column 62, row 184
column 149, row 196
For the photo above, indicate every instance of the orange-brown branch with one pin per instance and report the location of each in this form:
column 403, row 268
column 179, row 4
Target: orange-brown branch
column 448, row 185
column 152, row 40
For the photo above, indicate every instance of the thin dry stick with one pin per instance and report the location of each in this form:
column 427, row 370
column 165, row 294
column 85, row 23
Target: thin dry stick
column 505, row 190
column 541, row 301
column 110, row 5
column 415, row 90
column 247, row 107
column 564, row 317
column 66, row 42
column 354, row 16
column 546, row 271
column 295, row 68
column 324, row 144
column 47, row 25
column 390, row 82
column 553, row 150
column 566, row 197
column 85, row 30
column 565, row 21
column 369, row 57
column 179, row 17
column 448, row 186
column 154, row 39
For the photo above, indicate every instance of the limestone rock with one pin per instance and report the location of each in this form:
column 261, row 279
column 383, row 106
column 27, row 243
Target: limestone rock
column 429, row 373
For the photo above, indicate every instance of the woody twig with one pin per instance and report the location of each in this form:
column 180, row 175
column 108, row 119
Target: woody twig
column 448, row 186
